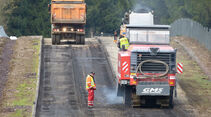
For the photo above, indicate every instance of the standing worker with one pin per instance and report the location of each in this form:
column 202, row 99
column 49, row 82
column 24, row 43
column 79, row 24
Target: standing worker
column 115, row 36
column 90, row 87
column 123, row 43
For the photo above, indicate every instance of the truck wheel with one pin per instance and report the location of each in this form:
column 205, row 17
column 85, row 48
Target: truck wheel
column 77, row 39
column 82, row 39
column 127, row 96
column 53, row 39
column 57, row 39
column 171, row 102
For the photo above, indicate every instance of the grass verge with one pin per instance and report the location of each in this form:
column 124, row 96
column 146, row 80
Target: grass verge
column 20, row 91
column 194, row 82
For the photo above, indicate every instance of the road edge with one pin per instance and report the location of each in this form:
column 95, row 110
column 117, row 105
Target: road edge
column 34, row 108
column 109, row 61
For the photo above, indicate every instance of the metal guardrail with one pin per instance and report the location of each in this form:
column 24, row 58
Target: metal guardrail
column 192, row 29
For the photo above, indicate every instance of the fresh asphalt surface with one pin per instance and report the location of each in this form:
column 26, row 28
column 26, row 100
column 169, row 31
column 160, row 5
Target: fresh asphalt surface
column 62, row 89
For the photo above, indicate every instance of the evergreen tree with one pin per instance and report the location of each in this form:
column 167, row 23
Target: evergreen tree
column 28, row 17
column 31, row 17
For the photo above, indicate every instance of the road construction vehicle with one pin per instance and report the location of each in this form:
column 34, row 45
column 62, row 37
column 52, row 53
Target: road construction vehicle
column 146, row 70
column 68, row 19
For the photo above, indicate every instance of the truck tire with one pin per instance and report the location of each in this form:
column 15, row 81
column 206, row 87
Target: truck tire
column 57, row 39
column 77, row 39
column 82, row 39
column 53, row 39
column 127, row 96
column 171, row 100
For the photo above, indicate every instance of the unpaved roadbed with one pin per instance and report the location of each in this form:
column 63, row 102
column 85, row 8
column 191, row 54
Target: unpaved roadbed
column 20, row 88
column 6, row 50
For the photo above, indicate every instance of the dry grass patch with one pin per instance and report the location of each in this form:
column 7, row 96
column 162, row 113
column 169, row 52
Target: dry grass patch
column 194, row 82
column 20, row 90
column 2, row 42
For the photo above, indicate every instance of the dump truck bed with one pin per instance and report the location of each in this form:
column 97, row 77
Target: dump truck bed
column 68, row 12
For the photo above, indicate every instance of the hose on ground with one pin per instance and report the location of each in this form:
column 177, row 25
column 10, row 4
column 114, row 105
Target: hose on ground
column 152, row 76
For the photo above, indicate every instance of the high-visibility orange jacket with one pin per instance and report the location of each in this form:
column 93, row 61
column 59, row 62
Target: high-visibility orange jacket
column 90, row 83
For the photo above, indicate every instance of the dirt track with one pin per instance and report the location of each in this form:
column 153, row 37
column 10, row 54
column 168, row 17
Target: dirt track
column 5, row 57
column 62, row 91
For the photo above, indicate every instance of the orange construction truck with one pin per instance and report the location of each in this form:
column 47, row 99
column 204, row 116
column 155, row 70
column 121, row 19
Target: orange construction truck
column 68, row 19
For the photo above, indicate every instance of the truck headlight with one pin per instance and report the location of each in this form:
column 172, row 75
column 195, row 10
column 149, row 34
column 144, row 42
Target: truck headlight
column 64, row 29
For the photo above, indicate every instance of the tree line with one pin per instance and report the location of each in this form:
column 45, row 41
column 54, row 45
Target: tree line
column 167, row 11
column 31, row 17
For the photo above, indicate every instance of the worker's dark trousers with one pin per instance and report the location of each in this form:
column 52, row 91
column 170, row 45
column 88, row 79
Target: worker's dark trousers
column 91, row 97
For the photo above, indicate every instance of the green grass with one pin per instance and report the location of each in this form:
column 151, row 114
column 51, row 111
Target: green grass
column 18, row 113
column 24, row 95
column 36, row 56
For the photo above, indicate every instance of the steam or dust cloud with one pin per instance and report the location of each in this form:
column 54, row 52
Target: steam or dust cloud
column 139, row 7
column 111, row 96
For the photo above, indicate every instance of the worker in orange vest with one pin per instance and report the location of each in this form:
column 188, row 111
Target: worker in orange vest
column 90, row 87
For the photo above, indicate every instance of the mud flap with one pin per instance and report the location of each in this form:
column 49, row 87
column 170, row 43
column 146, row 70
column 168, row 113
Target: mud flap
column 127, row 96
column 120, row 90
column 171, row 102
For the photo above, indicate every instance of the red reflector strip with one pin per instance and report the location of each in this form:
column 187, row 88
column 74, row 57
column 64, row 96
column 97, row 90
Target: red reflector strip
column 180, row 68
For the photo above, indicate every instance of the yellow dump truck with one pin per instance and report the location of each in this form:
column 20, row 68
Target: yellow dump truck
column 68, row 19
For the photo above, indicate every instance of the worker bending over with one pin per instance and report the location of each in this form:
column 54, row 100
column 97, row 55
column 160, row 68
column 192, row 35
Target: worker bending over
column 123, row 43
column 90, row 87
